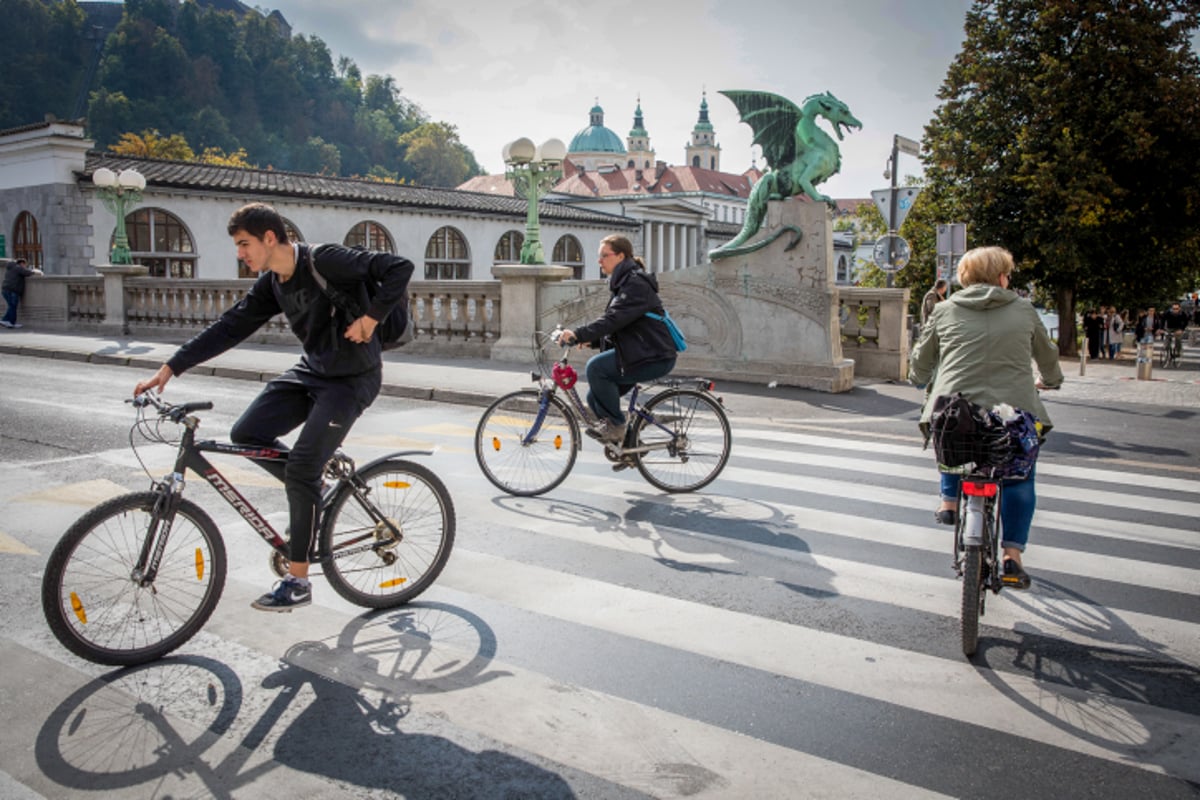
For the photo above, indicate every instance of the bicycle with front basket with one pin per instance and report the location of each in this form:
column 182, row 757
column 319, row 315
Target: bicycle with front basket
column 527, row 441
column 138, row 575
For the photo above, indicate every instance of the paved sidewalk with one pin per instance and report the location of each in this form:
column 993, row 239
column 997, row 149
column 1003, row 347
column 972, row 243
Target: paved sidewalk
column 475, row 381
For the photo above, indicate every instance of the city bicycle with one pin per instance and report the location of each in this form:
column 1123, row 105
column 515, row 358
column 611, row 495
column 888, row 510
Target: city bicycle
column 982, row 460
column 138, row 575
column 1172, row 349
column 527, row 441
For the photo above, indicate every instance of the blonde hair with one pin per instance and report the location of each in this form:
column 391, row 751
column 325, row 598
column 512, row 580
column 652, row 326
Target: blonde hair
column 984, row 265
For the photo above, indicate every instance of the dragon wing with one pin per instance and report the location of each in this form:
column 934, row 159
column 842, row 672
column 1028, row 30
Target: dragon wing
column 773, row 120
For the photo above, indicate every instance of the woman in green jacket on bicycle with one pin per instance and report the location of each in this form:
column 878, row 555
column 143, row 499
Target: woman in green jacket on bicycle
column 981, row 342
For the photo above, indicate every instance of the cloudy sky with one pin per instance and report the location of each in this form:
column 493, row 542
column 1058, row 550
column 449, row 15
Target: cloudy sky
column 500, row 69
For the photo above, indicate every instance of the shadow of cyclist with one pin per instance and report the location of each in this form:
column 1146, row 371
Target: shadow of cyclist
column 1122, row 697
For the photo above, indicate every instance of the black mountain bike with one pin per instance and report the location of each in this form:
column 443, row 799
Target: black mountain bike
column 140, row 574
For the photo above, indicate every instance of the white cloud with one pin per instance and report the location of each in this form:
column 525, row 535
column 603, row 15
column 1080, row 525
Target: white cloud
column 498, row 70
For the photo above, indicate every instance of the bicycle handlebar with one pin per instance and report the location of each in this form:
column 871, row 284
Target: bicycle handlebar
column 175, row 413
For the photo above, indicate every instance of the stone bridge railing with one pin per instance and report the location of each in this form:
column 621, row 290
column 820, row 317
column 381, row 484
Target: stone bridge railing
column 453, row 318
column 875, row 331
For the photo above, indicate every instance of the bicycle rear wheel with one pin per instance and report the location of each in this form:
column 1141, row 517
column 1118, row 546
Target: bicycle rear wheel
column 512, row 459
column 690, row 448
column 98, row 608
column 361, row 558
column 972, row 597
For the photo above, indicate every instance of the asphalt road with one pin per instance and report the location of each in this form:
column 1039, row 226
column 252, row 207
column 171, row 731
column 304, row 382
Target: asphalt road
column 789, row 631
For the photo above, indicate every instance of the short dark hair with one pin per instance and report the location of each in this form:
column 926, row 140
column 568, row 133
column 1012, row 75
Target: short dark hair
column 940, row 283
column 256, row 219
column 21, row 261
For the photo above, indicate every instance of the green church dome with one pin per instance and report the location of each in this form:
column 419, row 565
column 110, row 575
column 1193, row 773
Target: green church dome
column 596, row 138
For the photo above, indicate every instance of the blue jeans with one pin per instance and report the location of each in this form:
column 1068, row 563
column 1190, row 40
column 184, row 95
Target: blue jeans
column 13, row 299
column 606, row 384
column 1018, row 499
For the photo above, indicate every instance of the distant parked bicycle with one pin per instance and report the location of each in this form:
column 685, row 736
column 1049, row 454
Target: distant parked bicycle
column 139, row 575
column 527, row 441
column 1172, row 348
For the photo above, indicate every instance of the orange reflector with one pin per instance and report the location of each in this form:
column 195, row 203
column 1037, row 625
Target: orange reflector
column 496, row 443
column 77, row 607
column 397, row 484
column 393, row 582
column 199, row 564
column 558, row 442
column 974, row 489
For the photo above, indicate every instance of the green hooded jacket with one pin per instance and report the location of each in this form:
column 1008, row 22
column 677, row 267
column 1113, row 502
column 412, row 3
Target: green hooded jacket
column 981, row 342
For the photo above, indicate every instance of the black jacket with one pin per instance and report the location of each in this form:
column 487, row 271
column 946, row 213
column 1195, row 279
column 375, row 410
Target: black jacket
column 317, row 323
column 637, row 338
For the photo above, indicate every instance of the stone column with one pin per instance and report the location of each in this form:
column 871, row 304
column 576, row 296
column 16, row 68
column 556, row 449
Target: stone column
column 114, row 294
column 519, row 311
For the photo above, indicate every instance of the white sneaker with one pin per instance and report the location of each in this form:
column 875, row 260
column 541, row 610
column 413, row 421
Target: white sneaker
column 6, row 323
column 16, row 325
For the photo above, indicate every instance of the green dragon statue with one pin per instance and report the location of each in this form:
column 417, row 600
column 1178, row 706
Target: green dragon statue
column 799, row 153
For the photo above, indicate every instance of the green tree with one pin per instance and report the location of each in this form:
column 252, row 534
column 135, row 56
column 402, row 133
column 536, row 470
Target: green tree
column 435, row 154
column 1068, row 132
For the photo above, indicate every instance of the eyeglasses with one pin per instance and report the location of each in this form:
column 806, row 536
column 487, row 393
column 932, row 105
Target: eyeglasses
column 606, row 255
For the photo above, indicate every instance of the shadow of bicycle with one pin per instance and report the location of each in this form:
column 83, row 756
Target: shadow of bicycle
column 1126, row 696
column 336, row 709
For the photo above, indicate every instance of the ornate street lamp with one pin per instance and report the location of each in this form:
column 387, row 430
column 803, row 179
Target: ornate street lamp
column 533, row 171
column 119, row 193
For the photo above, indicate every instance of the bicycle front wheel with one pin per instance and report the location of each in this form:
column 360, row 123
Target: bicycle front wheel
column 363, row 560
column 526, row 442
column 972, row 597
column 100, row 609
column 688, row 440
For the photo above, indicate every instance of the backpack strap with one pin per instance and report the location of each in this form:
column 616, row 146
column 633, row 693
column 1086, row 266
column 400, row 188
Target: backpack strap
column 339, row 299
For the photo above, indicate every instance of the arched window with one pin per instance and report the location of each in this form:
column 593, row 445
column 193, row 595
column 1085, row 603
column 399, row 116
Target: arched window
column 370, row 236
column 568, row 253
column 695, row 161
column 159, row 240
column 843, row 270
column 446, row 256
column 509, row 246
column 27, row 242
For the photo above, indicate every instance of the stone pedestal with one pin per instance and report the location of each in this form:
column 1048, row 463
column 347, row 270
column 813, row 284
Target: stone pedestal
column 114, row 294
column 519, row 307
column 769, row 315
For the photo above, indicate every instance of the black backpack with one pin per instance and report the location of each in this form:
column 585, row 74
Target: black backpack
column 394, row 330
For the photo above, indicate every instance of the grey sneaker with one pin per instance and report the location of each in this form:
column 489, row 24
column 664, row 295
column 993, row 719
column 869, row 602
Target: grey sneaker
column 289, row 593
column 6, row 323
column 608, row 431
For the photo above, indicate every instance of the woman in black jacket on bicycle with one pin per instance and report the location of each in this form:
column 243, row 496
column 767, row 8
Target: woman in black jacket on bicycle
column 636, row 348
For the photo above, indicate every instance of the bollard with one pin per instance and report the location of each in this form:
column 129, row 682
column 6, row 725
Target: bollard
column 1145, row 360
column 1083, row 358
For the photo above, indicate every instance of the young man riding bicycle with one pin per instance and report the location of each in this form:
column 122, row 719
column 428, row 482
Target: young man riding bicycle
column 337, row 377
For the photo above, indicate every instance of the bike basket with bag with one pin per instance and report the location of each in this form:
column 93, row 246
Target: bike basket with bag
column 394, row 330
column 676, row 334
column 967, row 438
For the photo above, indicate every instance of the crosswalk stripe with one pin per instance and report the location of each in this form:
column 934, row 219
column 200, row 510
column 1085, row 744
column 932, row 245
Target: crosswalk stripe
column 1046, row 466
column 849, row 492
column 945, row 688
column 924, row 593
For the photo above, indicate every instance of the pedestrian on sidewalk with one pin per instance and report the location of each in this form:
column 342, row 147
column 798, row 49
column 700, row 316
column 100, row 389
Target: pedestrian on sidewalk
column 1114, row 331
column 934, row 296
column 14, row 289
column 1093, row 329
column 338, row 376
